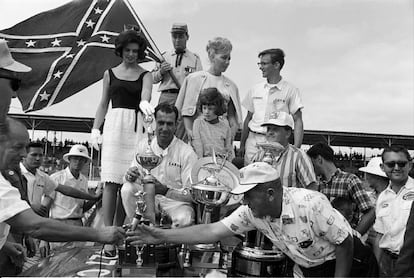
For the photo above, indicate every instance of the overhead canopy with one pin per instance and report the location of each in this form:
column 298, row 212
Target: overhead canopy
column 333, row 138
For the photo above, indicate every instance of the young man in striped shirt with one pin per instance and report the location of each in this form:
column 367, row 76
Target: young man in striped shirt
column 294, row 166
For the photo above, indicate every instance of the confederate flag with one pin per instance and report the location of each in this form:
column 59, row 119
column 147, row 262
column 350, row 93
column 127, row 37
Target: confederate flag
column 69, row 48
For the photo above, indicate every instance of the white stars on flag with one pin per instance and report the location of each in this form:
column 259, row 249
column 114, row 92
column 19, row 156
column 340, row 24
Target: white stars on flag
column 44, row 96
column 57, row 74
column 30, row 43
column 56, row 42
column 81, row 42
column 90, row 23
column 105, row 38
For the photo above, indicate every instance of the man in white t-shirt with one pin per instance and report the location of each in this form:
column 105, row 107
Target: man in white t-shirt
column 266, row 98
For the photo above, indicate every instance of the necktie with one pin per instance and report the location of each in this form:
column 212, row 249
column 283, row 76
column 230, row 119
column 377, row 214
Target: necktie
column 179, row 57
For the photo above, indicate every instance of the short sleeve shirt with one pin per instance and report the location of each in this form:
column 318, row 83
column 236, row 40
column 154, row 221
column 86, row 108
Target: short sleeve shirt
column 294, row 166
column 307, row 231
column 265, row 99
column 38, row 185
column 392, row 212
column 64, row 207
column 343, row 184
column 174, row 170
column 11, row 204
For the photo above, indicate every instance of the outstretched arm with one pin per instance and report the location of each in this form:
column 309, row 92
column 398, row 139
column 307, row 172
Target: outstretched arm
column 76, row 193
column 205, row 233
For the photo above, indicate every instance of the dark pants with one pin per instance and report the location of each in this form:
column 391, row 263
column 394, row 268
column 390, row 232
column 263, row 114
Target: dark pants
column 364, row 264
column 387, row 263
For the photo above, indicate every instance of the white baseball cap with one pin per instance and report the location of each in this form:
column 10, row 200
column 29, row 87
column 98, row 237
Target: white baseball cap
column 77, row 150
column 253, row 174
column 280, row 118
column 374, row 167
column 7, row 62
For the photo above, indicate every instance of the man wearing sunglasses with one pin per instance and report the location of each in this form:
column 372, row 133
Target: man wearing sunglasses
column 393, row 206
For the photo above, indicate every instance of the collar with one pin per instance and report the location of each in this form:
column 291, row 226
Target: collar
column 24, row 170
column 69, row 175
column 183, row 53
column 408, row 185
column 158, row 150
column 215, row 121
column 338, row 171
column 279, row 85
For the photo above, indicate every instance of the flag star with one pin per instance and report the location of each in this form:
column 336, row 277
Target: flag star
column 105, row 38
column 30, row 43
column 56, row 42
column 90, row 23
column 98, row 10
column 57, row 74
column 70, row 55
column 81, row 43
column 44, row 96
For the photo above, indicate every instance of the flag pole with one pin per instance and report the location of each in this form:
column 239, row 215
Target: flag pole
column 158, row 52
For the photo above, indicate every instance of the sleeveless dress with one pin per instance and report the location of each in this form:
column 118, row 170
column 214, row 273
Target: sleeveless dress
column 122, row 129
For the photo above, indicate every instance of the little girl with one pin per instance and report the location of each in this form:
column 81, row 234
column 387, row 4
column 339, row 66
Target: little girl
column 209, row 130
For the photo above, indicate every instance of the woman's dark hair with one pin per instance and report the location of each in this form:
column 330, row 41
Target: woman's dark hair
column 130, row 36
column 211, row 96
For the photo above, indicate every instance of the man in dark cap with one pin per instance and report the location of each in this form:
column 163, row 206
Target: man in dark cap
column 180, row 62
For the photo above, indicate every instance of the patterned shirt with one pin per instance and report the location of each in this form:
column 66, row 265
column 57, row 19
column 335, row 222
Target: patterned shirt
column 307, row 231
column 294, row 166
column 392, row 211
column 347, row 185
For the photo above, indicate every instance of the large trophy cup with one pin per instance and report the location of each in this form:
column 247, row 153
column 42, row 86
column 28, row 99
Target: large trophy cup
column 256, row 256
column 212, row 180
column 149, row 160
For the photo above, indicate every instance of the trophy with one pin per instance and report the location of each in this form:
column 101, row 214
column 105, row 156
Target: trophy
column 212, row 179
column 149, row 160
column 256, row 255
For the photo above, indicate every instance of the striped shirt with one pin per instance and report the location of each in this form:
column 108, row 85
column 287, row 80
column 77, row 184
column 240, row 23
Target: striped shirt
column 294, row 166
column 347, row 185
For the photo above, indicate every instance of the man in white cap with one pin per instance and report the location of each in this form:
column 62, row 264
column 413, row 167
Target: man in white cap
column 181, row 62
column 300, row 222
column 65, row 208
column 294, row 166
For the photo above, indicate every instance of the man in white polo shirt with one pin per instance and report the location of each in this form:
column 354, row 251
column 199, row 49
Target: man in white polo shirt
column 266, row 98
column 393, row 206
column 65, row 208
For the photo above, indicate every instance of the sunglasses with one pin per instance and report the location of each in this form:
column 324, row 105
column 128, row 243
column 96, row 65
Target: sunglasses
column 391, row 164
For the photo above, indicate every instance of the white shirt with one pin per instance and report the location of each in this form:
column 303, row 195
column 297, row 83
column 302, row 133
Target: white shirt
column 65, row 207
column 11, row 204
column 264, row 99
column 392, row 211
column 38, row 185
column 307, row 231
column 177, row 161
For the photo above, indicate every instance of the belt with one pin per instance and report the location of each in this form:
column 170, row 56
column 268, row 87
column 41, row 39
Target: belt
column 259, row 133
column 73, row 218
column 171, row 91
column 391, row 254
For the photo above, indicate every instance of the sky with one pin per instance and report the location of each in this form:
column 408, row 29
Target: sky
column 353, row 60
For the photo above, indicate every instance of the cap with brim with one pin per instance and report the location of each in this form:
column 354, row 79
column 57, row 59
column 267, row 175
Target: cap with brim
column 179, row 28
column 77, row 150
column 280, row 119
column 253, row 174
column 7, row 62
column 374, row 167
